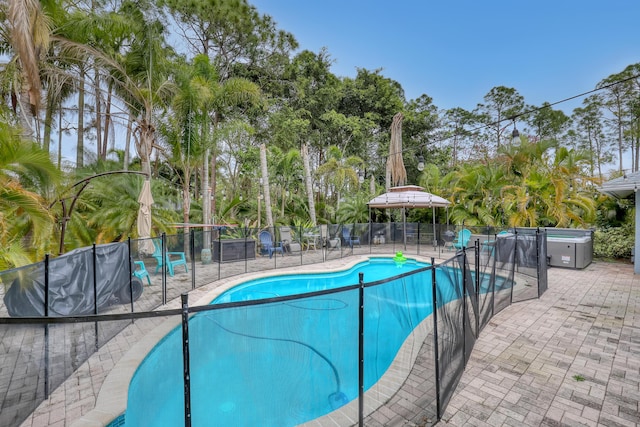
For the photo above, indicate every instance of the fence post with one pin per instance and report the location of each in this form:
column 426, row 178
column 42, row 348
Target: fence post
column 477, row 284
column 219, row 253
column 515, row 263
column 130, row 267
column 300, row 241
column 464, row 305
column 95, row 293
column 46, row 326
column 192, row 249
column 185, row 359
column 95, row 280
column 246, row 261
column 435, row 335
column 361, row 351
column 163, row 253
column 46, row 285
column 538, row 259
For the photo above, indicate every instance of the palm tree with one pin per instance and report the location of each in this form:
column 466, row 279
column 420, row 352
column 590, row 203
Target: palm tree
column 475, row 193
column 110, row 209
column 198, row 107
column 288, row 171
column 29, row 36
column 26, row 174
column 354, row 210
column 338, row 174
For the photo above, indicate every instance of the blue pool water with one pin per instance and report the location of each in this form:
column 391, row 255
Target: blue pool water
column 281, row 364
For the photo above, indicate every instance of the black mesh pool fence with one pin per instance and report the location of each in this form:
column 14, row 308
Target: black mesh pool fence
column 49, row 350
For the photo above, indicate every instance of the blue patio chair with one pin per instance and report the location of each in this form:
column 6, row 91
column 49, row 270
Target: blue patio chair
column 267, row 245
column 141, row 271
column 173, row 259
column 346, row 236
column 463, row 239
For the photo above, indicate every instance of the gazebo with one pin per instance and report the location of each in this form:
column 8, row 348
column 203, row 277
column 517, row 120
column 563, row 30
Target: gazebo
column 408, row 196
column 621, row 188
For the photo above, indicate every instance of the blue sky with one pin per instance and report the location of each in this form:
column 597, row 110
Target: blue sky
column 456, row 51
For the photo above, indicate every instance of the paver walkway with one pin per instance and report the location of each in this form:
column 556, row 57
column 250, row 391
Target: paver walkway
column 570, row 358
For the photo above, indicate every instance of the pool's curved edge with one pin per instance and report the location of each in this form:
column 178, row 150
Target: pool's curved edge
column 112, row 398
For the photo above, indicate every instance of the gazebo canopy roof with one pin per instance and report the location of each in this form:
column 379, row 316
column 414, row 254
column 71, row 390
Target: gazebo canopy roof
column 407, row 196
column 621, row 187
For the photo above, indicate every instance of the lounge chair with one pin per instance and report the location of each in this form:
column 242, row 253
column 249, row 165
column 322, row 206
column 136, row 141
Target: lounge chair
column 346, row 237
column 287, row 240
column 330, row 242
column 463, row 239
column 267, row 246
column 141, row 271
column 173, row 259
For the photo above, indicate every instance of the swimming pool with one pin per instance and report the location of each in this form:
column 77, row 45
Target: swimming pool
column 281, row 364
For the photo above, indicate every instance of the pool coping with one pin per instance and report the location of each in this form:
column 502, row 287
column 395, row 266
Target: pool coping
column 111, row 402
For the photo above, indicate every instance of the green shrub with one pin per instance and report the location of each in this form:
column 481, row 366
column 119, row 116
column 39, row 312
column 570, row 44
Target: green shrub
column 614, row 242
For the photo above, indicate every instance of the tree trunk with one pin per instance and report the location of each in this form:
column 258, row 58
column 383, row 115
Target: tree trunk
column 60, row 138
column 186, row 208
column 127, row 143
column 80, row 143
column 213, row 183
column 48, row 120
column 620, row 142
column 212, row 169
column 206, row 204
column 107, row 117
column 265, row 181
column 309, row 184
column 101, row 148
column 637, row 157
column 144, row 135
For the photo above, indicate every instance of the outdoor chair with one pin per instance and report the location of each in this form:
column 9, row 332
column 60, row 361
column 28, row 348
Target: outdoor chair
column 173, row 259
column 463, row 239
column 330, row 242
column 288, row 243
column 411, row 232
column 489, row 245
column 346, row 236
column 141, row 271
column 311, row 238
column 267, row 245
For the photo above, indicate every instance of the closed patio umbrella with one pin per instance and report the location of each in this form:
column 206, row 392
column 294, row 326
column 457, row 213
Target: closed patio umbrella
column 145, row 246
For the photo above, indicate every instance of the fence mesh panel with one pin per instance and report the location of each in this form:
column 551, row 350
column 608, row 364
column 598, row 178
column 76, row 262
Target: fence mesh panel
column 40, row 355
column 450, row 326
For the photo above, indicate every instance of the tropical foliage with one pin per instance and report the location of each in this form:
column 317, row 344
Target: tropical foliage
column 187, row 93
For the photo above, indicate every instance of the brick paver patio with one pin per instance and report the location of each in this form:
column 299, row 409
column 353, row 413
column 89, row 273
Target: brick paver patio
column 570, row 358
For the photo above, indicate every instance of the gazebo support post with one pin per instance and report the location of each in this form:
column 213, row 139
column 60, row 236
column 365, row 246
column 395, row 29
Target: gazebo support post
column 435, row 240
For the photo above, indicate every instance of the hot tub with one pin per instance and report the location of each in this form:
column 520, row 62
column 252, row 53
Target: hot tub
column 570, row 248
